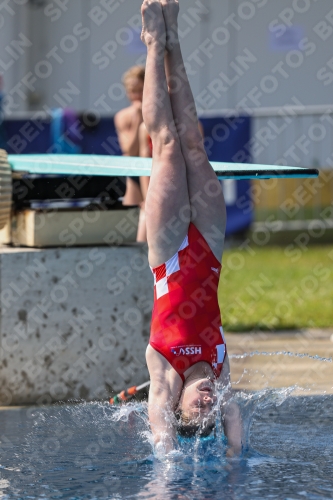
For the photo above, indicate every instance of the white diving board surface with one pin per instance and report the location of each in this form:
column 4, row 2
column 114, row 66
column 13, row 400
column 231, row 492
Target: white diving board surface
column 49, row 164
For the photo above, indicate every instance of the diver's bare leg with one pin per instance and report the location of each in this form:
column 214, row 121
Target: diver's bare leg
column 167, row 203
column 205, row 193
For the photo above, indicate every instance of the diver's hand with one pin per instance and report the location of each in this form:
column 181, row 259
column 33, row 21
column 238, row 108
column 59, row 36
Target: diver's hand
column 233, row 452
column 165, row 448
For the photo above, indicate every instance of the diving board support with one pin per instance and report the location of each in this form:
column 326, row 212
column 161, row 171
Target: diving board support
column 67, row 228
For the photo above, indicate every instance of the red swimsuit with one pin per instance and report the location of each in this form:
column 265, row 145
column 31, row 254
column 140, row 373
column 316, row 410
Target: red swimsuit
column 186, row 323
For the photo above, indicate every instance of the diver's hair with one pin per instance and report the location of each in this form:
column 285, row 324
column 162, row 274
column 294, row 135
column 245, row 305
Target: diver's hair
column 187, row 429
column 134, row 72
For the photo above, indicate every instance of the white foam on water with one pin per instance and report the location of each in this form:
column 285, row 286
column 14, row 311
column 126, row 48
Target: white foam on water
column 123, row 412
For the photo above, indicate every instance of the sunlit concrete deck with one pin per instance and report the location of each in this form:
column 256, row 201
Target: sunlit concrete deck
column 259, row 371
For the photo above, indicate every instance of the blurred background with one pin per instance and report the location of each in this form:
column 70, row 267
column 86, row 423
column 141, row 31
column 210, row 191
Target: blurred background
column 91, row 43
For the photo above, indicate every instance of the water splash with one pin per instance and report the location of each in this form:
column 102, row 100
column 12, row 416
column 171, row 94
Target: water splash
column 124, row 412
column 94, row 450
column 251, row 404
column 279, row 353
column 212, row 448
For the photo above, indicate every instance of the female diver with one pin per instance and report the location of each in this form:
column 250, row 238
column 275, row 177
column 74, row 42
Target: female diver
column 186, row 219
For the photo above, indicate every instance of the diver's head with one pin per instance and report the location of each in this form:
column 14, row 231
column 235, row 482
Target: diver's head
column 195, row 408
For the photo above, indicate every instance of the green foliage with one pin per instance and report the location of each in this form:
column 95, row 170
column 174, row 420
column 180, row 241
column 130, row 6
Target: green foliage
column 277, row 288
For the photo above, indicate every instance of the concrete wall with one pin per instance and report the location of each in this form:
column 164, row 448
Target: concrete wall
column 74, row 322
column 240, row 53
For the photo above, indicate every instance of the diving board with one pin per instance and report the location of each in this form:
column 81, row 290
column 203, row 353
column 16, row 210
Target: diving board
column 117, row 166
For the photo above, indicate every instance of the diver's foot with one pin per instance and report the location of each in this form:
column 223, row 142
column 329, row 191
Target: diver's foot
column 170, row 13
column 153, row 25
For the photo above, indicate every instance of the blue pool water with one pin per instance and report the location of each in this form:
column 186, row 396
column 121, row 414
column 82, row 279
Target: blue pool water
column 94, row 451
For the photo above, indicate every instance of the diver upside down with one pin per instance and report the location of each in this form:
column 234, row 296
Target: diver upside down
column 186, row 220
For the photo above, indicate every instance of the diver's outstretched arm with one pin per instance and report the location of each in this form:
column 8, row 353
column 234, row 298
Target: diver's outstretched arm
column 232, row 420
column 233, row 429
column 163, row 396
